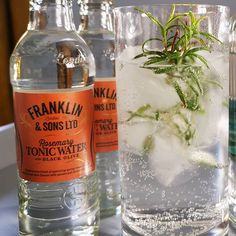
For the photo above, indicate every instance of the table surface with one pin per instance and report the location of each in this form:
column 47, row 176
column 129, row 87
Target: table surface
column 8, row 190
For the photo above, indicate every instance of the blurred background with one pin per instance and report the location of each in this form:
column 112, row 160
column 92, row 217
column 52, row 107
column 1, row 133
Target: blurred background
column 13, row 23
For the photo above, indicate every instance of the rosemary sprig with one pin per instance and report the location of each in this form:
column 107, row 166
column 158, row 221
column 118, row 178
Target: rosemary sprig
column 144, row 112
column 173, row 118
column 148, row 144
column 178, row 50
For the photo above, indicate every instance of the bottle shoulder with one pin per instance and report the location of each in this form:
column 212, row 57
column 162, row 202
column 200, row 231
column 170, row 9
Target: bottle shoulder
column 41, row 57
column 35, row 41
column 51, row 47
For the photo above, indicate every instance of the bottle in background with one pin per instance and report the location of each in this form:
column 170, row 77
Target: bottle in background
column 96, row 27
column 232, row 123
column 52, row 72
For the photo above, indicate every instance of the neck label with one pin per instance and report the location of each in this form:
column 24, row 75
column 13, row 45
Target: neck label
column 105, row 116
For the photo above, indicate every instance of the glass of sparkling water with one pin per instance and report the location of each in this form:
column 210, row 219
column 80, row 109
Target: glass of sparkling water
column 172, row 87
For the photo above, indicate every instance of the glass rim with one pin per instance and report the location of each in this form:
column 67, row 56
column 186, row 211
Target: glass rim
column 217, row 6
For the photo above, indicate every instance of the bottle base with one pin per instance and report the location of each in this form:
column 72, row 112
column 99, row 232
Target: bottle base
column 88, row 231
column 78, row 225
column 109, row 183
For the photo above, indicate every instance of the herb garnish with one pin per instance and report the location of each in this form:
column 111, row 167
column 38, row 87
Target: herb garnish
column 179, row 59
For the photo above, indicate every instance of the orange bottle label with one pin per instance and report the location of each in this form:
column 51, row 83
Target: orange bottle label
column 105, row 116
column 54, row 134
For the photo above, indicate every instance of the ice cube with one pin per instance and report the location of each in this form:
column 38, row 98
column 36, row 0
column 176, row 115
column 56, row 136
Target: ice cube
column 133, row 134
column 208, row 123
column 169, row 160
column 137, row 86
column 219, row 65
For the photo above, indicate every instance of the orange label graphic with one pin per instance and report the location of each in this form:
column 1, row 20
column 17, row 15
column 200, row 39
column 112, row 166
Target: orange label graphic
column 54, row 135
column 105, row 116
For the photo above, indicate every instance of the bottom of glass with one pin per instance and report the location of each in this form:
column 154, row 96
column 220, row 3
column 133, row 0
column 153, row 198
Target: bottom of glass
column 184, row 222
column 220, row 230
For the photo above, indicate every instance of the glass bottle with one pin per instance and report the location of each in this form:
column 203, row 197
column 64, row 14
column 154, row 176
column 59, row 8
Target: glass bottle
column 232, row 122
column 96, row 27
column 52, row 71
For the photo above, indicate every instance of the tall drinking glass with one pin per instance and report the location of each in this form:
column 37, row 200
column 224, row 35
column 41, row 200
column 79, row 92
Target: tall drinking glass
column 172, row 87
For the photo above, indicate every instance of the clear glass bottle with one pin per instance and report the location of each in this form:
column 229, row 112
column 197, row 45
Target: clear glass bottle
column 96, row 27
column 232, row 123
column 52, row 71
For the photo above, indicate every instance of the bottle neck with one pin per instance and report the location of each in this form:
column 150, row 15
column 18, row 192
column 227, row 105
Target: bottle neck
column 51, row 15
column 96, row 16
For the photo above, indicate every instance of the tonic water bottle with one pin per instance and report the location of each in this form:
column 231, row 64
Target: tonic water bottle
column 52, row 71
column 96, row 27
